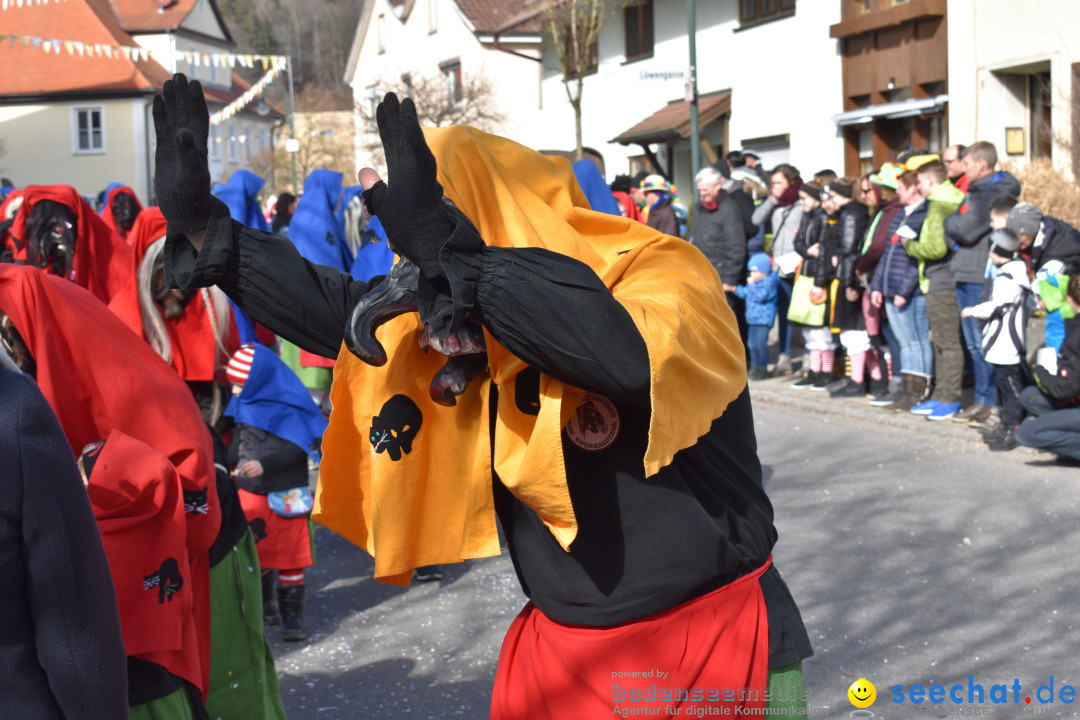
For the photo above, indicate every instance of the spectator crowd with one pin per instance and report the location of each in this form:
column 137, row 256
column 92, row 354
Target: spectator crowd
column 907, row 285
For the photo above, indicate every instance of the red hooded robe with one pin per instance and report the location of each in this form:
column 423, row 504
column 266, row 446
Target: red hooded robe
column 99, row 377
column 195, row 354
column 102, row 262
column 107, row 213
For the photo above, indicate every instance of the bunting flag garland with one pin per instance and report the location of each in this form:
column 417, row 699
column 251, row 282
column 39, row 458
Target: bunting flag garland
column 276, row 66
column 275, row 63
column 13, row 4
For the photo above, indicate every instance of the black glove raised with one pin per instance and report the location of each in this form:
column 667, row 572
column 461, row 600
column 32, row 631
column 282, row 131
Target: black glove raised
column 182, row 176
column 410, row 207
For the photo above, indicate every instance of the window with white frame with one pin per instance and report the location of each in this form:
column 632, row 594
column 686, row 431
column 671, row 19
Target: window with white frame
column 262, row 141
column 214, row 141
column 372, row 98
column 202, row 7
column 452, row 88
column 193, row 62
column 88, row 129
column 214, row 70
column 247, row 140
column 232, row 130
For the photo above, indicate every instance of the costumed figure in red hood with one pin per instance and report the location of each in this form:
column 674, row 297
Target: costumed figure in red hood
column 121, row 209
column 9, row 205
column 55, row 229
column 148, row 457
column 192, row 330
column 588, row 389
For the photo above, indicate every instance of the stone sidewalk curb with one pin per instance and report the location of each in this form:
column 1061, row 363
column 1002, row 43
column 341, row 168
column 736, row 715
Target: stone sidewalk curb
column 778, row 390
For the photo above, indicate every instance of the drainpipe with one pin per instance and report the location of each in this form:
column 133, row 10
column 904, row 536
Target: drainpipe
column 692, row 97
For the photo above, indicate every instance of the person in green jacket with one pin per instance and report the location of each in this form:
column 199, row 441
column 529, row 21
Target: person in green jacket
column 936, row 282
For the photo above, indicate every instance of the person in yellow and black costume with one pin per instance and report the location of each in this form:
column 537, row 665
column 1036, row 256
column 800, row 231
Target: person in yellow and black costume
column 595, row 401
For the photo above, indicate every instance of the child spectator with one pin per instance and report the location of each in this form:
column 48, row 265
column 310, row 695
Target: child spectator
column 818, row 340
column 1054, row 400
column 278, row 426
column 760, row 294
column 1003, row 334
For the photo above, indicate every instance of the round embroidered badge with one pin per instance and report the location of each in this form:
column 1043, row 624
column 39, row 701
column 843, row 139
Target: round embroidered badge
column 594, row 425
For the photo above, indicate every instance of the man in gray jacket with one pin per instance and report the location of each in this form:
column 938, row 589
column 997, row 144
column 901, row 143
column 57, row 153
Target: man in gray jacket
column 718, row 232
column 967, row 233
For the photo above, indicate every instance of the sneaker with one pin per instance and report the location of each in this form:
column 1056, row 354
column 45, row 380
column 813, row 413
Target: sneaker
column 1006, row 441
column 757, row 373
column 976, row 412
column 943, row 411
column 993, row 434
column 820, row 382
column 428, row 573
column 833, row 385
column 850, row 389
column 925, row 407
column 783, row 365
column 884, row 399
column 805, row 381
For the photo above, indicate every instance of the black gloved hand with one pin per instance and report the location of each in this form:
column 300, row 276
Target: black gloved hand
column 182, row 176
column 411, row 207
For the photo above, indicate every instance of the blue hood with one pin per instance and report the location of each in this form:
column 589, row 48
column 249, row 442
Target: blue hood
column 314, row 227
column 347, row 194
column 240, row 195
column 274, row 400
column 375, row 256
column 596, row 190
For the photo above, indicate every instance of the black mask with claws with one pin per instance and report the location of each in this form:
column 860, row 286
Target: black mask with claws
column 50, row 236
column 465, row 349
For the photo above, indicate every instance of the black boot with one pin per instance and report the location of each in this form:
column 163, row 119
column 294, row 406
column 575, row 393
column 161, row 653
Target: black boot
column 270, row 606
column 291, row 599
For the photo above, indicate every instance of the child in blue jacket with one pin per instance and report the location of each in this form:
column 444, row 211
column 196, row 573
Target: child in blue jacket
column 760, row 293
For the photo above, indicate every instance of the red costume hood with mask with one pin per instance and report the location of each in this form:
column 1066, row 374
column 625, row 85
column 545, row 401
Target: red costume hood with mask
column 102, row 262
column 193, row 336
column 100, row 378
column 107, row 212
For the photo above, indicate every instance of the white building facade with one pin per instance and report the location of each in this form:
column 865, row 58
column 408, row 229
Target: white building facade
column 1013, row 73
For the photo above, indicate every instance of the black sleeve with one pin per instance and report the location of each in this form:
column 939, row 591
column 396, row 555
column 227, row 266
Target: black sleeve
column 553, row 312
column 289, row 454
column 267, row 278
column 69, row 590
column 733, row 244
column 851, row 236
column 970, row 227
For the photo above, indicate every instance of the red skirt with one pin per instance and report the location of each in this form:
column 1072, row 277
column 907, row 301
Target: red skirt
column 709, row 652
column 282, row 543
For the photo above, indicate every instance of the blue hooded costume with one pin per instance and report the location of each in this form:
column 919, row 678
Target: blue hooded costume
column 374, row 256
column 596, row 190
column 314, row 228
column 240, row 195
column 347, row 194
column 274, row 400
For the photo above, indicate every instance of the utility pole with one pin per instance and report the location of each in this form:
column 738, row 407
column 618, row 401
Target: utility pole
column 692, row 96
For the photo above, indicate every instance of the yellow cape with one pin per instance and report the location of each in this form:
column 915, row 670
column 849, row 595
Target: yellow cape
column 434, row 505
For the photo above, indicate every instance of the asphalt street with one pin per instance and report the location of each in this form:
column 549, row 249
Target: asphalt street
column 917, row 558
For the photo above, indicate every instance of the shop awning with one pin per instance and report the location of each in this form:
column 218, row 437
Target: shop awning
column 892, row 110
column 671, row 123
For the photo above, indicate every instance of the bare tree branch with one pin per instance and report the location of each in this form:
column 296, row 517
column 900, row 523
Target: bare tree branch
column 477, row 106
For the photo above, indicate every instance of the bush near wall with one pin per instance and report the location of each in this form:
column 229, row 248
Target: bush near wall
column 1055, row 194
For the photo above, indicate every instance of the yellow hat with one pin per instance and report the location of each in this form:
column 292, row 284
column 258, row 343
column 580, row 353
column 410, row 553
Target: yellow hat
column 917, row 161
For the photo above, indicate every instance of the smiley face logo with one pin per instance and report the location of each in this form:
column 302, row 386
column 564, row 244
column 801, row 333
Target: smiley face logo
column 862, row 693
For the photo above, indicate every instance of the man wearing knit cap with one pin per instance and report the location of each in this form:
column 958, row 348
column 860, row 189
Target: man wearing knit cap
column 1043, row 239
